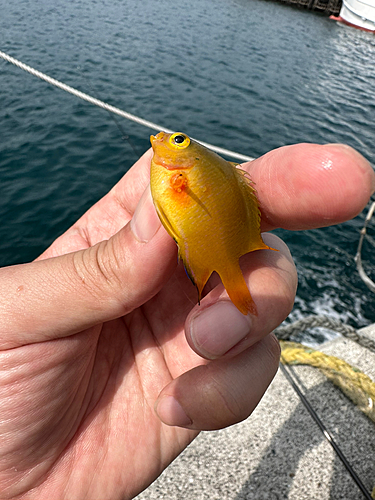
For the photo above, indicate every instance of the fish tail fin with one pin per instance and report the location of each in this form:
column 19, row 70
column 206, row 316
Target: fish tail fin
column 238, row 291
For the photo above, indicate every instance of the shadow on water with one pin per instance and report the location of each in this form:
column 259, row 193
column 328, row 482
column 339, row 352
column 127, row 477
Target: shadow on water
column 284, row 468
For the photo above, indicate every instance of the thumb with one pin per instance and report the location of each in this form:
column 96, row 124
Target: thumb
column 64, row 295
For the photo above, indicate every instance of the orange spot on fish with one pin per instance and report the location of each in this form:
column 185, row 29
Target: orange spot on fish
column 178, row 182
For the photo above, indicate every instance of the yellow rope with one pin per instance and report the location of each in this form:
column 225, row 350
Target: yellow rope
column 356, row 385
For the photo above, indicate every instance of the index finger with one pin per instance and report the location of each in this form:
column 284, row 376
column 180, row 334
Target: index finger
column 306, row 186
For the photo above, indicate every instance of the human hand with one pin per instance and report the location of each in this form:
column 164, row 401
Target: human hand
column 93, row 333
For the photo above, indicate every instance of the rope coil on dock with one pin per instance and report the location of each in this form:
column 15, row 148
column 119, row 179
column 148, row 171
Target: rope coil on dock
column 356, row 385
column 301, row 325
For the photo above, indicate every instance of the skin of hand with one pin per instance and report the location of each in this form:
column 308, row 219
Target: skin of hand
column 109, row 369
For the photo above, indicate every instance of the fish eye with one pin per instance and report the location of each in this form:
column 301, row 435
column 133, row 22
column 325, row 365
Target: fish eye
column 179, row 140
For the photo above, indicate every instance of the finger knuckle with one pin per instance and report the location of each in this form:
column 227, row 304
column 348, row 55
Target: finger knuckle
column 97, row 269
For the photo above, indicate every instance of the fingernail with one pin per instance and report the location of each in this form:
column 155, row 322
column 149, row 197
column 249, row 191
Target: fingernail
column 171, row 412
column 145, row 221
column 218, row 328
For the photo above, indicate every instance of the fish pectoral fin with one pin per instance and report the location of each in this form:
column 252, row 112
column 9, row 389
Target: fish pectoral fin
column 166, row 222
column 237, row 290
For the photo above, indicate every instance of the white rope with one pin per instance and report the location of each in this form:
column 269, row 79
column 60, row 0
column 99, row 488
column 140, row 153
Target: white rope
column 358, row 257
column 113, row 109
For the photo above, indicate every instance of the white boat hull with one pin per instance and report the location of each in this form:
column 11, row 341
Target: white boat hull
column 358, row 13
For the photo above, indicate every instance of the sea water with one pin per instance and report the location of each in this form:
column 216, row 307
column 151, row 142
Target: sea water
column 246, row 75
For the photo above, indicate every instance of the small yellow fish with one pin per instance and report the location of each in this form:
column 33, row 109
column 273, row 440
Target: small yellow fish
column 210, row 209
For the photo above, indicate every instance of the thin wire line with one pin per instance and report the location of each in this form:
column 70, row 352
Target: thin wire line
column 326, row 433
column 113, row 109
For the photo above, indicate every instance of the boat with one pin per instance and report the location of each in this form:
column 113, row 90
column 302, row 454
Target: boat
column 357, row 13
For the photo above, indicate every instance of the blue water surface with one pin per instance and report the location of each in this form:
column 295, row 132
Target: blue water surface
column 249, row 76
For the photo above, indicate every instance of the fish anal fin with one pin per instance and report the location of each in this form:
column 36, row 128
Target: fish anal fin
column 238, row 291
column 196, row 275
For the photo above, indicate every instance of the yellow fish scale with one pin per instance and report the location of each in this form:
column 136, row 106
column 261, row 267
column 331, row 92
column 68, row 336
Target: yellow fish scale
column 210, row 209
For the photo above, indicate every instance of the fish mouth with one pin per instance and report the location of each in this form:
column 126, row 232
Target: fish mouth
column 156, row 138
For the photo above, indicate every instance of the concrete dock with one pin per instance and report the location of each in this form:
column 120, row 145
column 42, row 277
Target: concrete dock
column 279, row 452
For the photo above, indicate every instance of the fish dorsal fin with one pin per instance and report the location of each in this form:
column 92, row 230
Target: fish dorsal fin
column 233, row 163
column 249, row 193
